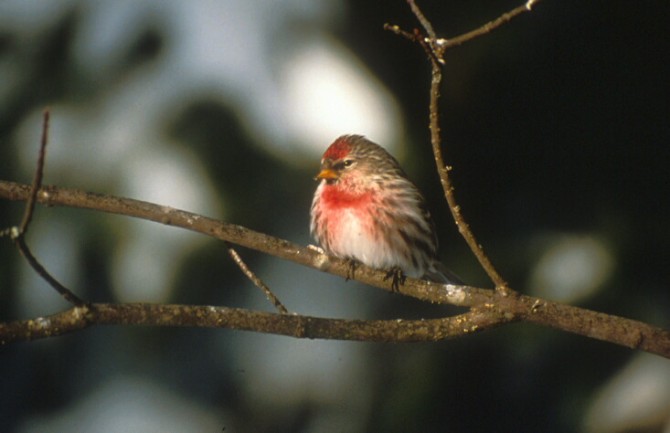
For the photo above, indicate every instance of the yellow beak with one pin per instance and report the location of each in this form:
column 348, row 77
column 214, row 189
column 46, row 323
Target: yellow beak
column 326, row 173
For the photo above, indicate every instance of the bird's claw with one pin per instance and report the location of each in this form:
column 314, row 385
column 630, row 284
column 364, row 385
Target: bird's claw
column 398, row 278
column 351, row 271
column 316, row 249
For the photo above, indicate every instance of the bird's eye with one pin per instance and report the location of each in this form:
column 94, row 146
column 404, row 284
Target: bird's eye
column 343, row 164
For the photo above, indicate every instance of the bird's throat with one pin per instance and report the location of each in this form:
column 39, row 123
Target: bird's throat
column 334, row 196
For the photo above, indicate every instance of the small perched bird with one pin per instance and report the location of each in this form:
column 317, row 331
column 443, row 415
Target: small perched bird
column 367, row 210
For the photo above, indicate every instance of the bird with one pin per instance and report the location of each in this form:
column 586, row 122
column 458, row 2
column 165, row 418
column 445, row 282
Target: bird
column 365, row 209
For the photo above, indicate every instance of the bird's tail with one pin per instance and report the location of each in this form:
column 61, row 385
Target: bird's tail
column 438, row 273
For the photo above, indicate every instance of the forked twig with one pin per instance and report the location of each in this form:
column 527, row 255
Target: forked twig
column 439, row 45
column 256, row 280
column 18, row 234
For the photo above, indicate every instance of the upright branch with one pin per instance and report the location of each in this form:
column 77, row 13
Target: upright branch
column 435, row 48
column 37, row 177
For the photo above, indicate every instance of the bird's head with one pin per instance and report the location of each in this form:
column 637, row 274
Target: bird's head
column 357, row 162
column 339, row 159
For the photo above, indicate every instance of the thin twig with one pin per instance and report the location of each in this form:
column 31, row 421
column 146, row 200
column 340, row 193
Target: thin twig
column 256, row 280
column 427, row 25
column 398, row 31
column 488, row 27
column 42, row 272
column 37, row 178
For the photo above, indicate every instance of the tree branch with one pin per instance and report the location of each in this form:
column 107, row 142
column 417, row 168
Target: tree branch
column 398, row 330
column 238, row 235
column 489, row 308
column 434, row 49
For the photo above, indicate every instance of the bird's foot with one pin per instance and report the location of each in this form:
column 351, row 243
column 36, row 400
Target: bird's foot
column 398, row 278
column 351, row 271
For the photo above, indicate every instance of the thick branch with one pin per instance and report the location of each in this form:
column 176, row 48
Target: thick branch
column 81, row 317
column 592, row 324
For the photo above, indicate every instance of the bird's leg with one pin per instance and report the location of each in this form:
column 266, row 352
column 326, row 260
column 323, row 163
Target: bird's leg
column 352, row 269
column 398, row 278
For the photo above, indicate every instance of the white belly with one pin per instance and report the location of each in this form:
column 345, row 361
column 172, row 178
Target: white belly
column 359, row 237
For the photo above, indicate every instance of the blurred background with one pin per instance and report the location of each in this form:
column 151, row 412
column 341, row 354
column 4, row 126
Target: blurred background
column 557, row 126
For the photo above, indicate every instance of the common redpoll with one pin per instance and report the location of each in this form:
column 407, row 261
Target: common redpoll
column 367, row 210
